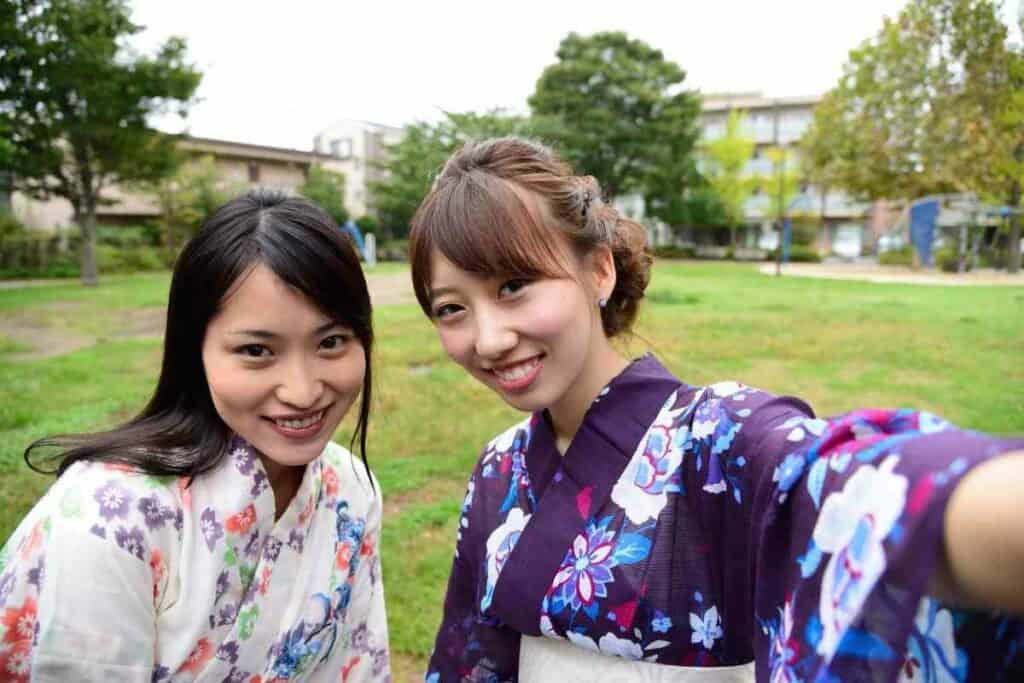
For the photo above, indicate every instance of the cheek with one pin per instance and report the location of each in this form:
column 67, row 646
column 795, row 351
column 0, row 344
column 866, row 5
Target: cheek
column 231, row 388
column 457, row 343
column 348, row 374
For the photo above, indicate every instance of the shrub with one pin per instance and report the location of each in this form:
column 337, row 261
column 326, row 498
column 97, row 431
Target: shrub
column 897, row 257
column 668, row 251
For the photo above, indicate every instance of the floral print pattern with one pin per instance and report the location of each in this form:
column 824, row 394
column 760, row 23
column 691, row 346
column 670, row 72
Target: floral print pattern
column 217, row 535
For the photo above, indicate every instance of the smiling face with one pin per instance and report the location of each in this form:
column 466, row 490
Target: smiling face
column 281, row 373
column 537, row 342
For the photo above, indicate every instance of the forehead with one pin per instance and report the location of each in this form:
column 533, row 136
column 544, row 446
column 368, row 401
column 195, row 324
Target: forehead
column 260, row 297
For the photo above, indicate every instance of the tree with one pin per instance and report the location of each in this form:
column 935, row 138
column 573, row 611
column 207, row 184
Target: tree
column 187, row 196
column 75, row 102
column 725, row 168
column 411, row 164
column 326, row 188
column 782, row 185
column 617, row 109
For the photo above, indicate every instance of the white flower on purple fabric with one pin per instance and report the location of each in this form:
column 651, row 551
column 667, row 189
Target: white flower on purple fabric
column 114, row 500
column 932, row 655
column 706, row 417
column 586, row 569
column 661, row 623
column 500, row 544
column 211, row 529
column 852, row 525
column 707, row 630
column 133, row 541
column 653, row 472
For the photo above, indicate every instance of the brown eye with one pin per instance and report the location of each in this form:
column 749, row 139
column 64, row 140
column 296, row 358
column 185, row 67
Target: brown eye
column 512, row 286
column 335, row 342
column 253, row 351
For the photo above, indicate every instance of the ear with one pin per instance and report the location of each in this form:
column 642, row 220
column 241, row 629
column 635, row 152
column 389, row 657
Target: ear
column 602, row 271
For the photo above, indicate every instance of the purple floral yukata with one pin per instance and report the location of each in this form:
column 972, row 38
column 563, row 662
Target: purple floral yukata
column 718, row 526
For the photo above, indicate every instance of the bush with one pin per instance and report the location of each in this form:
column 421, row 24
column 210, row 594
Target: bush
column 948, row 260
column 798, row 253
column 897, row 257
column 668, row 251
column 111, row 259
column 394, row 250
column 368, row 224
column 10, row 226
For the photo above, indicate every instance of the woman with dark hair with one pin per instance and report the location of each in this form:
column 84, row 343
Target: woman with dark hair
column 635, row 527
column 220, row 535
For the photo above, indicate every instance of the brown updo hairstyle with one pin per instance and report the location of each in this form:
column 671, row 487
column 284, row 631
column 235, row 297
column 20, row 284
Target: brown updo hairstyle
column 493, row 207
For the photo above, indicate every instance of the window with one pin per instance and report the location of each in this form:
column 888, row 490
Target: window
column 254, row 172
column 341, row 148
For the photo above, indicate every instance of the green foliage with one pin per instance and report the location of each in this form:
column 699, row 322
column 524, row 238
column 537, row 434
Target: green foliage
column 726, row 159
column 617, row 111
column 671, row 251
column 74, row 103
column 897, row 257
column 798, row 253
column 411, row 164
column 326, row 188
column 10, row 226
column 368, row 224
column 192, row 192
column 916, row 109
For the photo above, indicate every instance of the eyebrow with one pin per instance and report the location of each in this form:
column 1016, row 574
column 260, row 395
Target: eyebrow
column 440, row 291
column 266, row 334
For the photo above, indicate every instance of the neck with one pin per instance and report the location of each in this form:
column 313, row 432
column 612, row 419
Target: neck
column 567, row 414
column 284, row 482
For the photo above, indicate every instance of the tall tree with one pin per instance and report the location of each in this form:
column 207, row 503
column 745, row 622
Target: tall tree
column 75, row 102
column 326, row 188
column 725, row 166
column 411, row 164
column 618, row 111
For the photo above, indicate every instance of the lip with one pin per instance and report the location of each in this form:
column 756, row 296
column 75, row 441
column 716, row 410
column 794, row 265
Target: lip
column 304, row 433
column 519, row 384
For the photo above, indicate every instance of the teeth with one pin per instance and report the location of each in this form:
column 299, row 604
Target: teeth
column 301, row 424
column 517, row 372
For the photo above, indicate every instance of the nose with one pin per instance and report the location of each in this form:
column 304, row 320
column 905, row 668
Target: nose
column 494, row 336
column 300, row 386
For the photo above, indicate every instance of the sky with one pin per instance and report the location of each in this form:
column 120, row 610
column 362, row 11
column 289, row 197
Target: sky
column 276, row 73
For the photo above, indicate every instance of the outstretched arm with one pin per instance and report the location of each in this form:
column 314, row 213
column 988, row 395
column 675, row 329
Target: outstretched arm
column 983, row 563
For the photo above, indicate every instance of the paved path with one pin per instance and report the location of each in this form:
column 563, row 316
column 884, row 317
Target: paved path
column 897, row 274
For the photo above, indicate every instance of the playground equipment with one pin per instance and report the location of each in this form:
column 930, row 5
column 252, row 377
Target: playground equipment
column 962, row 211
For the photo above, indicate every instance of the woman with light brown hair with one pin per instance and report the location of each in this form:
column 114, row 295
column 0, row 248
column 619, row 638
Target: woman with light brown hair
column 635, row 527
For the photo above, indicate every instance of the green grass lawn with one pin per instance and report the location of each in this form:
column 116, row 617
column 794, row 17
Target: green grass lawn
column 956, row 351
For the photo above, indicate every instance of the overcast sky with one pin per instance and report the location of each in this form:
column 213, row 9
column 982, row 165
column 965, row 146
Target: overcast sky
column 276, row 73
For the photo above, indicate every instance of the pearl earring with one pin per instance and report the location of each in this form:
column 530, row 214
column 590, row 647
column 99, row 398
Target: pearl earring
column 602, row 302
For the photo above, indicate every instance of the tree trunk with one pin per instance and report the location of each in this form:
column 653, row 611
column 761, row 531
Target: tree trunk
column 87, row 222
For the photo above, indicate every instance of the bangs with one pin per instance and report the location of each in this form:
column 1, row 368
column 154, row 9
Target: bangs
column 486, row 226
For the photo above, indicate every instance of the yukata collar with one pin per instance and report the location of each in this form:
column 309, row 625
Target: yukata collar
column 247, row 462
column 581, row 482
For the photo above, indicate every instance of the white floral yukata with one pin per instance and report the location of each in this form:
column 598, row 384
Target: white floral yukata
column 120, row 576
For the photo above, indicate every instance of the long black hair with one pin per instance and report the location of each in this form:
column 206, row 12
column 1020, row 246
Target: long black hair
column 179, row 431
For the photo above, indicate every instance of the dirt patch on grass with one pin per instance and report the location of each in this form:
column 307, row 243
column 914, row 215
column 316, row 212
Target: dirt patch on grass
column 390, row 289
column 45, row 328
column 445, row 489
